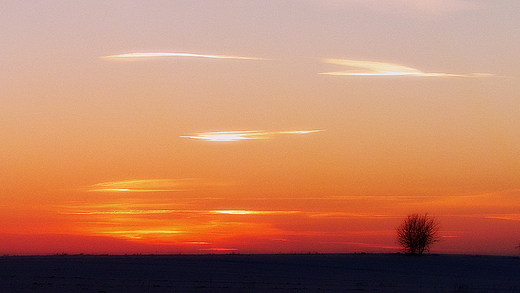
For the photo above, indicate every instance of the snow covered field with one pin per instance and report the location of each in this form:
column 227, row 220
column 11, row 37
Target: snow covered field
column 260, row 273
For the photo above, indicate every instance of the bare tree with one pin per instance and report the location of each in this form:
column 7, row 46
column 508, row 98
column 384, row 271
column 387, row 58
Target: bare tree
column 417, row 233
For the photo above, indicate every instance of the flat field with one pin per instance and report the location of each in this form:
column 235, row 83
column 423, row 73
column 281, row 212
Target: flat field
column 260, row 273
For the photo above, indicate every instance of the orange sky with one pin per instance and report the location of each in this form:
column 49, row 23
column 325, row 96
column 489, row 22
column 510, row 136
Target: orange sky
column 279, row 126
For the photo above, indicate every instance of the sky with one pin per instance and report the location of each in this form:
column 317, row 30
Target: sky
column 283, row 126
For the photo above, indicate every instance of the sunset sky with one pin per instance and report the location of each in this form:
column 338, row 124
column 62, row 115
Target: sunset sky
column 258, row 126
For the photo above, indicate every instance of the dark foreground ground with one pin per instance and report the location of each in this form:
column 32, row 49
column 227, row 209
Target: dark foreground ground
column 260, row 273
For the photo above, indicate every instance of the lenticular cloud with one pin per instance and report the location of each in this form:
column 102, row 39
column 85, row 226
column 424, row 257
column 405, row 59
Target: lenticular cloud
column 371, row 68
column 129, row 56
column 243, row 135
column 414, row 7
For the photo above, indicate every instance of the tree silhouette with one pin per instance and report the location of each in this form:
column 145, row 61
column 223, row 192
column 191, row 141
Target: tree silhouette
column 417, row 233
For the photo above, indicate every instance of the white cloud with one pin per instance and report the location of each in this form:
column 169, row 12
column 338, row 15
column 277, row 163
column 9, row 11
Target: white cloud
column 130, row 56
column 243, row 135
column 371, row 68
column 410, row 6
column 430, row 6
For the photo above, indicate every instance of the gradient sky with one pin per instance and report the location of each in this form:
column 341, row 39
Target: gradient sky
column 258, row 126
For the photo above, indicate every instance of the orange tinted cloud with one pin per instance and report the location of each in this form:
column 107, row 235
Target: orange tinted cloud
column 219, row 249
column 151, row 185
column 246, row 212
column 243, row 135
column 166, row 221
column 371, row 68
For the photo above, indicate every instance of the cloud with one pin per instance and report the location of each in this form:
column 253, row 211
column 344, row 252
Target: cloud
column 219, row 249
column 130, row 56
column 509, row 217
column 243, row 135
column 153, row 185
column 371, row 68
column 428, row 6
column 343, row 215
column 124, row 209
column 412, row 7
column 141, row 185
column 250, row 212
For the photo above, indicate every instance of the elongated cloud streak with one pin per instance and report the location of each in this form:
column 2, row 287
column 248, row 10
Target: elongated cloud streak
column 141, row 185
column 153, row 185
column 243, row 135
column 249, row 212
column 370, row 68
column 412, row 7
column 129, row 56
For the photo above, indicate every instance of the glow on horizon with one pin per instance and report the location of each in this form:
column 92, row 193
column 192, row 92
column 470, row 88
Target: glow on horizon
column 371, row 68
column 155, row 55
column 243, row 135
column 167, row 222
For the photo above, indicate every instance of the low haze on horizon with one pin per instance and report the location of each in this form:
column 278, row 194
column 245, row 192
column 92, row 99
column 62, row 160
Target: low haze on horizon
column 133, row 126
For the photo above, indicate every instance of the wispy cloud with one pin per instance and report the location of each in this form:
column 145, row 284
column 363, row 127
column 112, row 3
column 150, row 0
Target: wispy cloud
column 413, row 7
column 250, row 212
column 342, row 215
column 371, row 68
column 131, row 56
column 243, row 135
column 219, row 249
column 141, row 185
column 429, row 6
column 153, row 185
column 143, row 208
column 509, row 217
